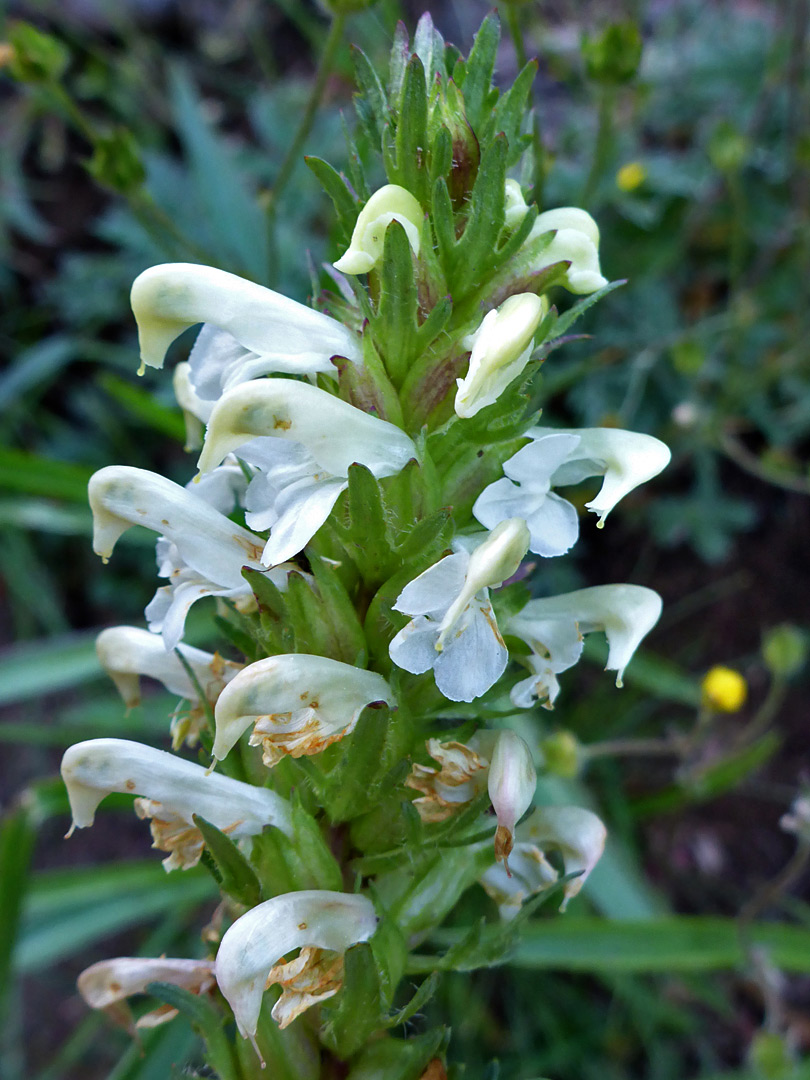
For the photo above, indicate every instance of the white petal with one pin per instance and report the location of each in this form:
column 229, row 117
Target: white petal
column 93, row 769
column 223, row 488
column 334, row 432
column 167, row 299
column 432, row 592
column 511, row 785
column 292, row 683
column 167, row 611
column 474, row 656
column 387, row 204
column 567, row 217
column 208, row 542
column 554, row 527
column 110, row 981
column 627, row 459
column 262, row 936
column 414, row 647
column 578, row 834
column 534, row 464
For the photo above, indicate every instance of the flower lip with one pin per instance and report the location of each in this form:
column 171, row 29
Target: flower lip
column 387, row 204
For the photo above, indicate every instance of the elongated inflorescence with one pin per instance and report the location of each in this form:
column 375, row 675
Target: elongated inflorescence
column 374, row 506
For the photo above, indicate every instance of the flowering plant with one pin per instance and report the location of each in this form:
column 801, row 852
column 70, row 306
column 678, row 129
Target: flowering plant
column 371, row 481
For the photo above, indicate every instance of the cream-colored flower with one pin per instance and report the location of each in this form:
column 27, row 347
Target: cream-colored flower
column 387, row 204
column 107, row 984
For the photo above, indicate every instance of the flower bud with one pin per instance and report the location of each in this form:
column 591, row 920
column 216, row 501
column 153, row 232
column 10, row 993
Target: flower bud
column 501, row 347
column 561, row 754
column 299, row 704
column 784, row 650
column 511, row 786
column 254, row 944
column 387, row 204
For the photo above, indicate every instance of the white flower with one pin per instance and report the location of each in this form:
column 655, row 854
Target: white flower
column 253, row 331
column 195, row 410
column 253, row 945
column 303, row 440
column 461, row 777
column 127, row 652
column 387, row 204
column 501, row 347
column 625, row 459
column 107, row 984
column 577, row 834
column 553, row 627
column 454, row 630
column 200, row 550
column 525, row 491
column 511, row 786
column 298, row 704
column 560, row 457
column 173, row 791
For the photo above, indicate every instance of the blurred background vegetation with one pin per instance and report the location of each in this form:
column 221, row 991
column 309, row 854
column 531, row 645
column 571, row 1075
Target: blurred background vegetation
column 155, row 130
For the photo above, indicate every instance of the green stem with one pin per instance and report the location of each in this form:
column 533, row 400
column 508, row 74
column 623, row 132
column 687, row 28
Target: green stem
column 290, row 161
column 604, row 138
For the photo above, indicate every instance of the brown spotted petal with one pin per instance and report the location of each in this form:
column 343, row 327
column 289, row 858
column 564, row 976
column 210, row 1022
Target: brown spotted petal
column 107, row 984
column 297, row 704
column 448, row 789
column 314, row 976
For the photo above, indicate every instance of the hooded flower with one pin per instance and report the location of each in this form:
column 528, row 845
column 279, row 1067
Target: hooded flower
column 253, row 946
column 387, row 204
column 577, row 834
column 303, row 441
column 298, row 704
column 201, row 551
column 511, row 785
column 173, row 791
column 107, row 984
column 501, row 348
column 454, row 630
column 252, row 330
column 557, row 458
column 553, row 627
column 127, row 652
column 566, row 234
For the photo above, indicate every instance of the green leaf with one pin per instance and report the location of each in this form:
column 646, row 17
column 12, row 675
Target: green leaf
column 479, row 68
column 677, row 943
column 425, row 992
column 34, row 475
column 472, row 256
column 400, row 53
column 371, row 103
column 206, row 1020
column 428, row 44
column 30, row 670
column 159, row 1052
column 358, row 1005
column 367, row 532
column 507, row 116
column 339, row 192
column 339, row 613
column 395, row 324
column 236, row 876
column 579, row 309
column 398, row 1059
column 354, row 783
column 143, row 406
column 17, row 836
column 411, row 138
column 65, row 911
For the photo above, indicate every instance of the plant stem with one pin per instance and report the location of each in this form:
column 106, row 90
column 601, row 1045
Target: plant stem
column 290, row 161
column 601, row 153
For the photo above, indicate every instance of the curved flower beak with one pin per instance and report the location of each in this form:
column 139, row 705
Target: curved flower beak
column 169, row 298
column 298, row 703
column 334, row 432
column 626, row 614
column 576, row 241
column 389, row 203
column 173, row 790
column 127, row 652
column 107, row 984
column 511, row 785
column 577, row 834
column 501, row 348
column 254, row 944
column 626, row 458
column 121, row 496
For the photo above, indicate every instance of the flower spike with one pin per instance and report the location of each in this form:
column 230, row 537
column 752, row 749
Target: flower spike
column 254, row 944
column 299, row 704
column 172, row 791
column 274, row 332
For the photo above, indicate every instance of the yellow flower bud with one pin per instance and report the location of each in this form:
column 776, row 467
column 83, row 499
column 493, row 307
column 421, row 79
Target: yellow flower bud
column 724, row 689
column 631, row 176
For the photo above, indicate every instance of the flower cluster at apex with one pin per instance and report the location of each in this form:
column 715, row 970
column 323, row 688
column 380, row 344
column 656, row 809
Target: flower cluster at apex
column 369, row 479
